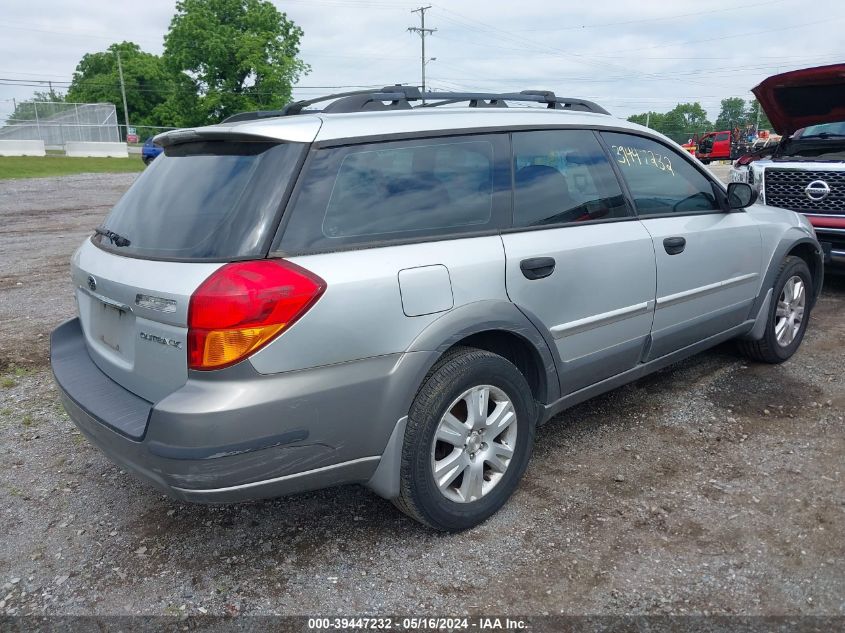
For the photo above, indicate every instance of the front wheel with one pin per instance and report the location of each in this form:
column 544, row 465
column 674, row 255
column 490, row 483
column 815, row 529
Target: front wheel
column 468, row 440
column 788, row 314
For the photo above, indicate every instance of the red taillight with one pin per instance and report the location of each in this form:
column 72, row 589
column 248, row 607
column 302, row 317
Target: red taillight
column 245, row 305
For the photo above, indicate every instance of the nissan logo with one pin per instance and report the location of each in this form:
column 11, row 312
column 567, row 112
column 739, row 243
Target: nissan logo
column 817, row 190
column 92, row 283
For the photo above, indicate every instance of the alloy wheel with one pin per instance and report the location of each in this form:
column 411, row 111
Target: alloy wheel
column 474, row 443
column 789, row 313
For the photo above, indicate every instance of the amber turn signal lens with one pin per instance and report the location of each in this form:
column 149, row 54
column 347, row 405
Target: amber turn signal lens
column 223, row 347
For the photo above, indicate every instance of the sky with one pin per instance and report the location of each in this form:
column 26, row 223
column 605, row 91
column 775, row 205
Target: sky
column 630, row 56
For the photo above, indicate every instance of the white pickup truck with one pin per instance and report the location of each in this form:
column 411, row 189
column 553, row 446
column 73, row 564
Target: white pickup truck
column 805, row 172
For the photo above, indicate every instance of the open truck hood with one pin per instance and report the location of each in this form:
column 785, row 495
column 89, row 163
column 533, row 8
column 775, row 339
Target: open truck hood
column 800, row 98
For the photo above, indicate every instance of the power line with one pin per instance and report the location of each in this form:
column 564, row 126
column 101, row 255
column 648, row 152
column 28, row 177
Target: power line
column 728, row 37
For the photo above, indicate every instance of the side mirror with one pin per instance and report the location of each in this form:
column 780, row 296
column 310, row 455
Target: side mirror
column 741, row 195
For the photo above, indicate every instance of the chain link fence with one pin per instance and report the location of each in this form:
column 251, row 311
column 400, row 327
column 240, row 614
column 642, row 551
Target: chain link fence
column 57, row 123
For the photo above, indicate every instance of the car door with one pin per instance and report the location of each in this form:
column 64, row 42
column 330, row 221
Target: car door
column 577, row 260
column 708, row 259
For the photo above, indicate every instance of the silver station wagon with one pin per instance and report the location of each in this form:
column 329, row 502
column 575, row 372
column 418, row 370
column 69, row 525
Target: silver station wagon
column 395, row 292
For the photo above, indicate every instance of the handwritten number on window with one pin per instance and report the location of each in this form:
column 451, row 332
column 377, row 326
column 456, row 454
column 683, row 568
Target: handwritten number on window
column 633, row 157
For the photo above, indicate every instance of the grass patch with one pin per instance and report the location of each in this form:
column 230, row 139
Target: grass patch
column 9, row 380
column 45, row 166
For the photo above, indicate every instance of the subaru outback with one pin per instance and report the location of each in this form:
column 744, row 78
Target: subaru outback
column 396, row 292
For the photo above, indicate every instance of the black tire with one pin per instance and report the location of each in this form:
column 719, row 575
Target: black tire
column 767, row 349
column 459, row 370
column 146, row 160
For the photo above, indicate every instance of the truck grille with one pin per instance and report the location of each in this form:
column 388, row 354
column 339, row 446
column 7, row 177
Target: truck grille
column 785, row 188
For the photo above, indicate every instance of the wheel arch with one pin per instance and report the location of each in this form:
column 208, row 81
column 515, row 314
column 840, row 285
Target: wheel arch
column 807, row 250
column 797, row 243
column 502, row 328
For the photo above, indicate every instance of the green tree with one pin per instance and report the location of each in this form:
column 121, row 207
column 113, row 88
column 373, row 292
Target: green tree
column 680, row 123
column 654, row 120
column 234, row 55
column 685, row 120
column 148, row 84
column 732, row 114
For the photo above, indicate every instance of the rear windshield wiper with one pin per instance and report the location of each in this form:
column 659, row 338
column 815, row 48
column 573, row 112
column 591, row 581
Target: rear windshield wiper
column 114, row 238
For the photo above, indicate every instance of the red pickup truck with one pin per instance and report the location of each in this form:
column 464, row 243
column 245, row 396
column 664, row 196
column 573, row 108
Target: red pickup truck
column 715, row 146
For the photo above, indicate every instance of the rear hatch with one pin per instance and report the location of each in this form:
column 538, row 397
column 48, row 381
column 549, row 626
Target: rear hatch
column 200, row 204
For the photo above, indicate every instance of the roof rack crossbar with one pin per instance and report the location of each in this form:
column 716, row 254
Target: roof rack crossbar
column 400, row 96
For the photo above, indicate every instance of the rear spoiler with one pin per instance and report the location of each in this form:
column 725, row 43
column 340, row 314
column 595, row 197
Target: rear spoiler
column 299, row 130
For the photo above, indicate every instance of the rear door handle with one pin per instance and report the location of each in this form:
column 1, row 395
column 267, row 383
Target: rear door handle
column 674, row 245
column 537, row 267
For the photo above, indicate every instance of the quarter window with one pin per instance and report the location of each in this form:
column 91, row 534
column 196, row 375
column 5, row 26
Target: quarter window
column 563, row 176
column 397, row 190
column 661, row 180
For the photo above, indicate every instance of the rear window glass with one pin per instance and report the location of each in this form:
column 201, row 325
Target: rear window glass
column 396, row 190
column 211, row 200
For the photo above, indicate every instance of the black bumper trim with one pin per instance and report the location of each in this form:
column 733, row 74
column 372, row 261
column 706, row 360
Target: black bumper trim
column 90, row 389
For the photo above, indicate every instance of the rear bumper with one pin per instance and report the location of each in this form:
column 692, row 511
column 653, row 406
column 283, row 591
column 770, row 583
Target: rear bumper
column 234, row 434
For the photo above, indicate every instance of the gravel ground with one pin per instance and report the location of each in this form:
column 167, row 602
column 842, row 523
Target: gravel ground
column 714, row 486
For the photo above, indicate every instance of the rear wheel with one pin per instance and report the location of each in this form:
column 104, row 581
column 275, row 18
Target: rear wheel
column 788, row 314
column 468, row 440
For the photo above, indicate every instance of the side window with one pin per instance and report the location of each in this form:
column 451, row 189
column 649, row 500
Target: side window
column 563, row 176
column 397, row 190
column 661, row 180
column 722, row 136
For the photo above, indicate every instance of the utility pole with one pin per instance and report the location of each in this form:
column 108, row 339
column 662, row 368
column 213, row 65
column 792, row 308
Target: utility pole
column 123, row 93
column 647, row 118
column 423, row 32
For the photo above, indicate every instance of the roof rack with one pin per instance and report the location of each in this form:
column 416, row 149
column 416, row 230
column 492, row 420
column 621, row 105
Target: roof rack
column 399, row 97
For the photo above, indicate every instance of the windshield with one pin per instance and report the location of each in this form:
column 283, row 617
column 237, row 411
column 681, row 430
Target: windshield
column 211, row 200
column 821, row 131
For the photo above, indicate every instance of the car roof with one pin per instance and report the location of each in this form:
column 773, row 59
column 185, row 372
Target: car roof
column 341, row 126
column 323, row 127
